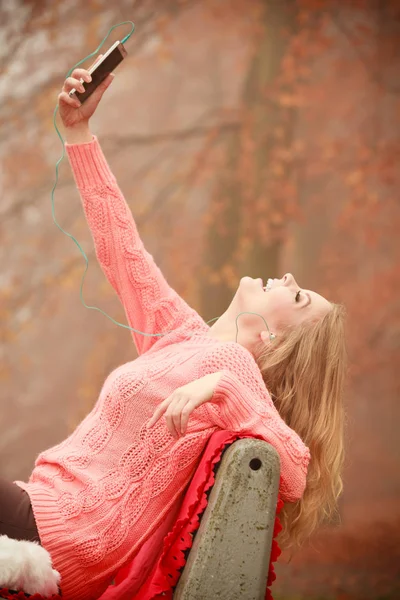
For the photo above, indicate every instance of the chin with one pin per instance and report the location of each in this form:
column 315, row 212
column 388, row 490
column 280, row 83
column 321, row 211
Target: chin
column 247, row 280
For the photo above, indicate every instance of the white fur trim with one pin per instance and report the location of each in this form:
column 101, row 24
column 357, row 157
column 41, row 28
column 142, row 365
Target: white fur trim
column 27, row 567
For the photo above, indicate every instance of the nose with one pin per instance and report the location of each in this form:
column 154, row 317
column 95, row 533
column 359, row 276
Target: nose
column 289, row 280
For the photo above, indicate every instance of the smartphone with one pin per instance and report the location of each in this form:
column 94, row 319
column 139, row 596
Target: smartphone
column 108, row 62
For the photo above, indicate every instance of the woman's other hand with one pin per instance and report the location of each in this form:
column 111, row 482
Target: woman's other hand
column 183, row 401
column 74, row 114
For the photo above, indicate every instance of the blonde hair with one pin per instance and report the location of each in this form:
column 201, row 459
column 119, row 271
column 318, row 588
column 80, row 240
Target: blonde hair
column 304, row 371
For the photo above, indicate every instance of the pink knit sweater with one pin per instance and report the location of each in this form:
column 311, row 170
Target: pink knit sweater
column 100, row 494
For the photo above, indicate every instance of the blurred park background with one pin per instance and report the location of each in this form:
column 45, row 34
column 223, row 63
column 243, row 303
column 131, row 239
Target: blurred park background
column 249, row 137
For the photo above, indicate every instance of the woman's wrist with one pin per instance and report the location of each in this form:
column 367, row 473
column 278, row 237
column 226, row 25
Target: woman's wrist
column 78, row 134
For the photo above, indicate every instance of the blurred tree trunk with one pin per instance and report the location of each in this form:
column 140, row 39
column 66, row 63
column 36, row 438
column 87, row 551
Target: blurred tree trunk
column 247, row 173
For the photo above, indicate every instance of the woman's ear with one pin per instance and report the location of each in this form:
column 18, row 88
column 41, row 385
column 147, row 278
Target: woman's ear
column 267, row 336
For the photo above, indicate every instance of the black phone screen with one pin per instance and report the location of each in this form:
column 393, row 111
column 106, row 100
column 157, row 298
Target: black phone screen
column 101, row 71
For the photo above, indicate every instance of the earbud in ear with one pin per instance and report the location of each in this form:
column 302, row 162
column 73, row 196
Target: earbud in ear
column 267, row 336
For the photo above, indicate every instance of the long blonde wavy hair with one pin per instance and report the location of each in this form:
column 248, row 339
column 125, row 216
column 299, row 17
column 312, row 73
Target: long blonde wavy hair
column 304, row 371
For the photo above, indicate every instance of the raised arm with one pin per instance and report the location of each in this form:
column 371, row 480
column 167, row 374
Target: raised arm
column 151, row 305
column 241, row 403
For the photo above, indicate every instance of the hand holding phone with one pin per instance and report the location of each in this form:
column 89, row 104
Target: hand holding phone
column 83, row 90
column 103, row 66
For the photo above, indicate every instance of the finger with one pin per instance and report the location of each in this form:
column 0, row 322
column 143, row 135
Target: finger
column 81, row 74
column 172, row 417
column 170, row 424
column 64, row 98
column 186, row 412
column 84, row 74
column 105, row 83
column 71, row 83
column 177, row 415
column 97, row 95
column 96, row 60
column 156, row 417
column 158, row 413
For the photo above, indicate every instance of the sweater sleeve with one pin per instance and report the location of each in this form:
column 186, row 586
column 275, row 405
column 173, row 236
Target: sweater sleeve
column 242, row 403
column 150, row 304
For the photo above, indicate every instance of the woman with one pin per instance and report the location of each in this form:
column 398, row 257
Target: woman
column 102, row 493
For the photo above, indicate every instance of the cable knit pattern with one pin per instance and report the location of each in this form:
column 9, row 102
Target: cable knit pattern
column 100, row 494
column 151, row 305
column 242, row 384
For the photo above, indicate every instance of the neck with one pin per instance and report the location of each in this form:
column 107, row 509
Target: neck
column 223, row 330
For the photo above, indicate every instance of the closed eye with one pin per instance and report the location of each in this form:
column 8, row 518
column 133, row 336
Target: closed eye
column 307, row 295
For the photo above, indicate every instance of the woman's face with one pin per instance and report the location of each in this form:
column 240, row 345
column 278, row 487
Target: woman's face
column 281, row 302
